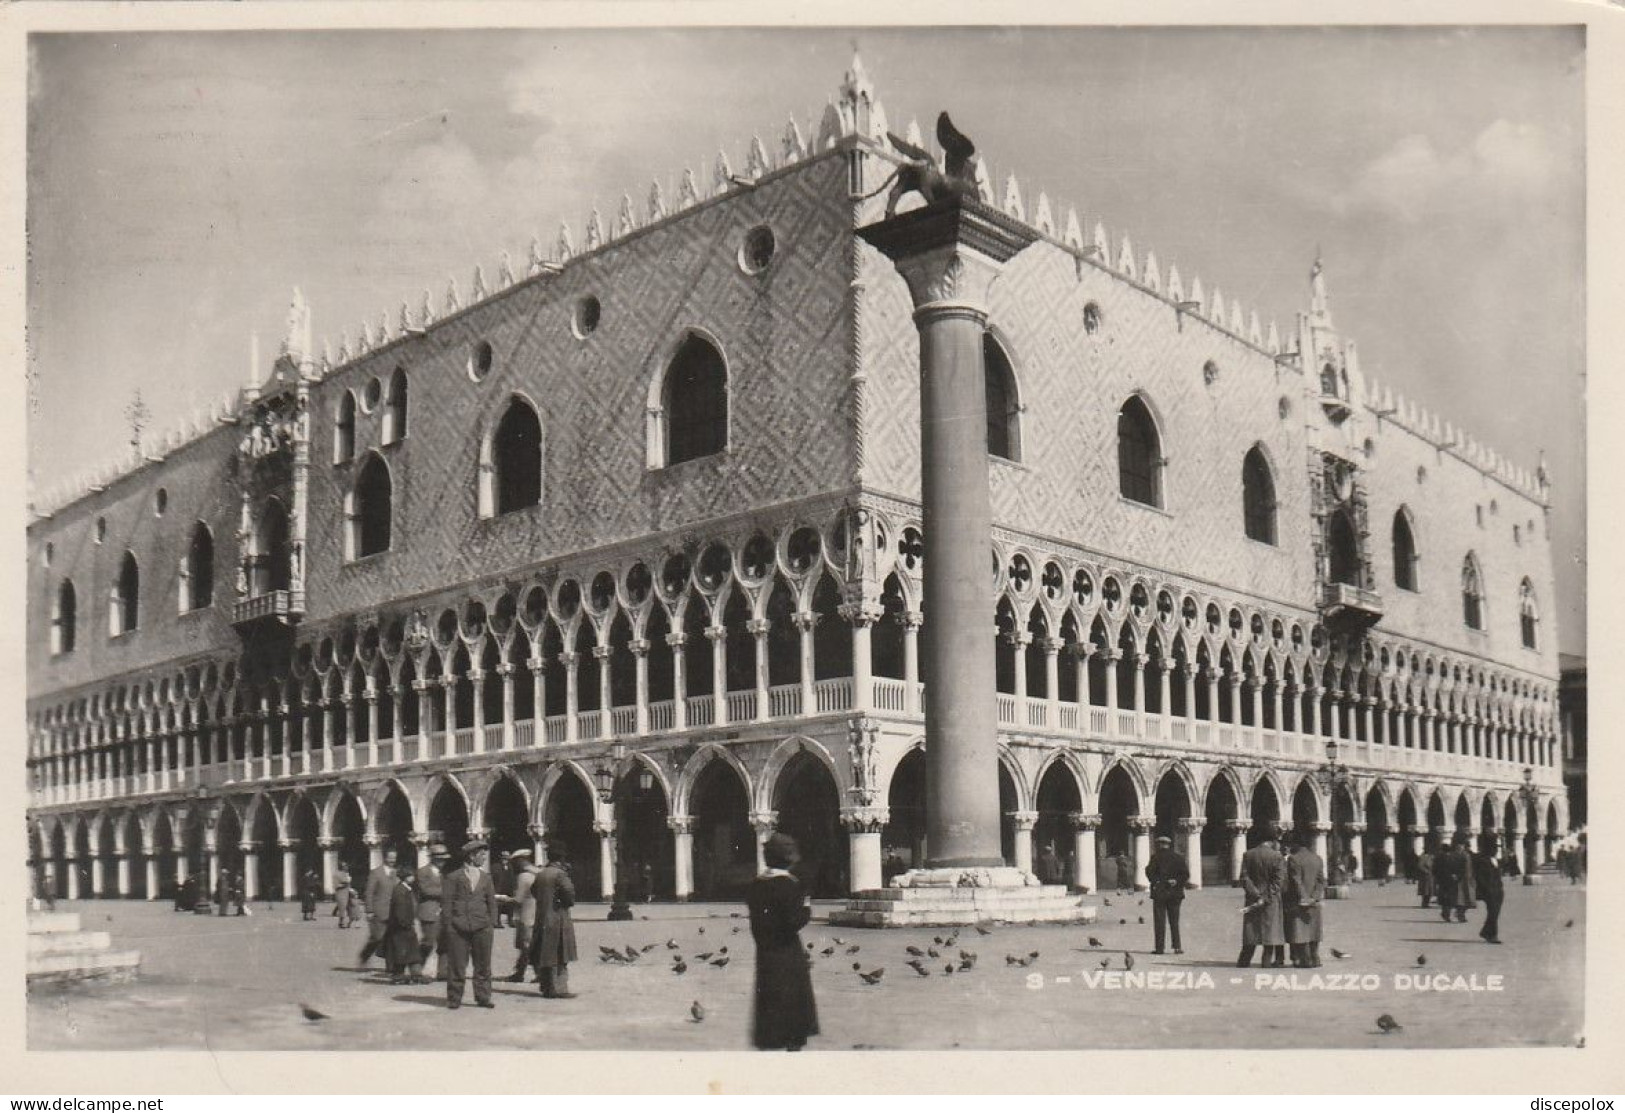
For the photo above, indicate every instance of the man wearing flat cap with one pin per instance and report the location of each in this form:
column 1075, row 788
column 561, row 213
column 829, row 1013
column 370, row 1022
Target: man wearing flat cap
column 521, row 908
column 430, row 884
column 468, row 920
column 1168, row 873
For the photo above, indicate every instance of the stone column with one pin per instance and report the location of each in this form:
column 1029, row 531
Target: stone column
column 1019, row 640
column 1165, row 701
column 375, row 849
column 640, row 676
column 1238, row 829
column 682, row 843
column 1357, row 832
column 1024, row 823
column 538, row 843
column 211, row 850
column 764, row 824
column 98, row 877
column 152, row 877
column 371, row 696
column 1213, row 693
column 290, row 868
column 1312, row 723
column 1142, row 826
column 1084, row 826
column 949, row 254
column 862, row 618
column 1321, row 830
column 1519, row 849
column 251, row 871
column 863, row 827
column 718, row 636
column 1192, row 830
column 425, row 722
column 1112, row 657
column 330, row 860
column 679, row 681
column 606, row 697
column 606, row 858
column 572, row 696
column 72, row 867
column 805, row 621
column 758, row 628
column 448, row 704
column 911, row 660
column 538, row 701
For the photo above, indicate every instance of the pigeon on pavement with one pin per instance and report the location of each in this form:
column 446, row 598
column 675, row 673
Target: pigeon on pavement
column 1093, row 942
column 1421, row 960
column 1388, row 1024
column 872, row 977
column 697, row 1011
column 1128, row 961
column 1340, row 954
column 719, row 963
column 311, row 1014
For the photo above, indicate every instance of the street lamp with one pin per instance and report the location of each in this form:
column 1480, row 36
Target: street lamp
column 1331, row 775
column 604, row 775
column 1531, row 797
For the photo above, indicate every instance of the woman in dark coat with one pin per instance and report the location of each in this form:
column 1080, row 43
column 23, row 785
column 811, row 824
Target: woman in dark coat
column 401, row 932
column 784, row 1013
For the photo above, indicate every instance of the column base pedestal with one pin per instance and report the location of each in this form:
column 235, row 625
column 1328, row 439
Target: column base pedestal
column 953, row 896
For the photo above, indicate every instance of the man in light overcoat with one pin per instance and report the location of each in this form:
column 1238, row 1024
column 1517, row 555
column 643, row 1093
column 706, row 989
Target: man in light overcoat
column 1303, row 892
column 1263, row 873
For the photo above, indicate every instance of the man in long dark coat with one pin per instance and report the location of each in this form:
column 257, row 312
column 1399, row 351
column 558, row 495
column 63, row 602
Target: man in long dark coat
column 1167, row 873
column 310, row 891
column 1424, row 877
column 1487, row 879
column 380, row 884
column 401, row 932
column 468, row 920
column 783, row 1012
column 1263, row 873
column 553, row 935
column 1302, row 894
column 1449, row 876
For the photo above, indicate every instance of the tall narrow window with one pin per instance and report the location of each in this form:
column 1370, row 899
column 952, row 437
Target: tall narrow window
column 124, row 614
column 64, row 618
column 344, row 430
column 370, row 510
column 1472, row 594
column 1342, row 551
column 272, row 565
column 197, row 570
column 1003, row 407
column 1139, row 454
column 1528, row 616
column 1404, row 552
column 394, row 419
column 516, row 457
column 1258, row 496
column 695, row 401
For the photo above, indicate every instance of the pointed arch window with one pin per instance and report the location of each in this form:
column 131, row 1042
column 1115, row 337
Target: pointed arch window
column 64, row 618
column 393, row 426
column 1258, row 496
column 1404, row 552
column 272, row 564
column 1342, row 551
column 369, row 510
column 1003, row 401
column 694, row 402
column 511, row 464
column 344, row 429
column 197, row 570
column 1139, row 454
column 1528, row 616
column 1472, row 594
column 124, row 613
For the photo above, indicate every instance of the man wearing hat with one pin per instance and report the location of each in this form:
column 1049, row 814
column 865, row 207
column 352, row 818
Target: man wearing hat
column 522, row 907
column 553, row 945
column 468, row 919
column 1263, row 875
column 380, row 884
column 1167, row 872
column 430, row 884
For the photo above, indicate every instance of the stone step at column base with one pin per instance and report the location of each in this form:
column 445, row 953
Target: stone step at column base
column 961, row 897
column 42, row 922
column 68, row 942
column 103, row 966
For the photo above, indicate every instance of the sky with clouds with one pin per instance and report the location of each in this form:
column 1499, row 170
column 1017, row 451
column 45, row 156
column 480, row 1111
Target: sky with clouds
column 180, row 185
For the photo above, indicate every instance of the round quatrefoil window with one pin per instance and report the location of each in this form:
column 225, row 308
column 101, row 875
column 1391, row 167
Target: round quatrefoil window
column 584, row 317
column 480, row 358
column 756, row 253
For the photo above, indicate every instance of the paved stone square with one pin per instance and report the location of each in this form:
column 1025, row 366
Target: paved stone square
column 236, row 984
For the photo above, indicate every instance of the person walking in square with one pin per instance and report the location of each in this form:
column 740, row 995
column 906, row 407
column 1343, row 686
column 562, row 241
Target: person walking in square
column 310, row 890
column 468, row 920
column 1487, row 880
column 1168, row 873
column 553, row 945
column 523, row 914
column 1381, row 863
column 1263, row 873
column 1424, row 877
column 346, row 903
column 783, row 1012
column 380, row 884
column 430, row 884
column 1449, row 879
column 1302, row 895
column 401, row 932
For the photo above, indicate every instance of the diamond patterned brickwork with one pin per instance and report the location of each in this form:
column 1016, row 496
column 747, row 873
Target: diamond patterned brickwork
column 1072, row 384
column 783, row 334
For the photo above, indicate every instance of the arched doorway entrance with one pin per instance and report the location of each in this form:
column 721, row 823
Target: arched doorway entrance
column 105, row 856
column 1341, row 841
column 1219, row 863
column 164, row 849
column 268, row 855
column 1173, row 803
column 1059, row 799
column 507, row 817
column 1266, row 812
column 228, row 839
column 304, row 829
column 57, row 868
column 350, row 828
column 1119, row 802
column 1305, row 812
column 448, row 818
column 393, row 826
column 567, row 819
column 1376, row 832
column 1436, row 821
column 904, row 835
column 83, row 849
column 1008, row 806
column 1464, row 817
column 724, row 845
column 645, row 866
column 809, row 810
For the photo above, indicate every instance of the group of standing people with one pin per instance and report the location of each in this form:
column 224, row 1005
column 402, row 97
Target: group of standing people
column 1283, row 894
column 193, row 895
column 451, row 915
column 1456, row 881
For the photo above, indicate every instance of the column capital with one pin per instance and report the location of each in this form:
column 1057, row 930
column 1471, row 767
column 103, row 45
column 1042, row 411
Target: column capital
column 804, row 620
column 569, row 659
column 913, row 620
column 680, row 824
column 420, row 839
column 764, row 823
column 676, row 639
column 1142, row 824
column 1085, row 821
column 329, row 842
column 1238, row 826
column 602, row 652
column 604, row 829
column 1191, row 826
column 1355, row 828
column 249, row 846
column 758, row 627
column 860, row 614
column 716, row 633
column 536, row 831
column 865, row 821
column 504, row 670
column 1321, row 827
column 373, row 841
column 1024, row 821
column 638, row 646
column 289, row 845
column 949, row 252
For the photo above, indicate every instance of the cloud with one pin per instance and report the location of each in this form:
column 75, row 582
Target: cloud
column 1505, row 166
